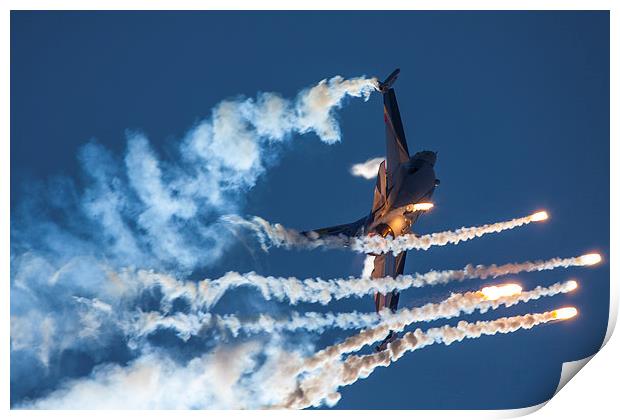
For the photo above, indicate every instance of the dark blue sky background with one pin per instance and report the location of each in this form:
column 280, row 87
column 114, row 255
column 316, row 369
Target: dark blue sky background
column 515, row 103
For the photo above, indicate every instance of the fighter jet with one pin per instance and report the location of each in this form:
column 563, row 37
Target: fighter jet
column 404, row 184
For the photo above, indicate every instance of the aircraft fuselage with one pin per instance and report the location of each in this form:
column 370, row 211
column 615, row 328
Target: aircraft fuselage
column 415, row 183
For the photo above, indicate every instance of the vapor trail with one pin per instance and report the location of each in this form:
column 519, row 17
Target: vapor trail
column 277, row 235
column 323, row 386
column 206, row 293
column 187, row 325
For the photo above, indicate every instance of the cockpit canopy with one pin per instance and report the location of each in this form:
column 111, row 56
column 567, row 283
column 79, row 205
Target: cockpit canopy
column 425, row 156
column 421, row 159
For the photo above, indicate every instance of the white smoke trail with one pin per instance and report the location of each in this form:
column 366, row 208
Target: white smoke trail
column 367, row 169
column 142, row 210
column 455, row 305
column 369, row 266
column 206, row 293
column 379, row 245
column 314, row 107
column 313, row 390
column 277, row 235
column 142, row 324
column 230, row 376
column 269, row 234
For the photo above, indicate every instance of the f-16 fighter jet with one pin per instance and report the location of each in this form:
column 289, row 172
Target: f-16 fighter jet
column 404, row 188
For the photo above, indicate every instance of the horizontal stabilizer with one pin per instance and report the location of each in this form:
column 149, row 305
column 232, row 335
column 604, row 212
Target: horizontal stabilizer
column 389, row 81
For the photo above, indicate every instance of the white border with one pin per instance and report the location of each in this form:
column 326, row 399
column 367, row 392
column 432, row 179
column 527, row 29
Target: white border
column 595, row 391
column 309, row 5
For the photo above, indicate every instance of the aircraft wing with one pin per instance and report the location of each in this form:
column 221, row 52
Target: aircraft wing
column 397, row 152
column 388, row 265
column 348, row 230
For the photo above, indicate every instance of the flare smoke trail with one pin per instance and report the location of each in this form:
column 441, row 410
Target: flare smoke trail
column 313, row 390
column 140, row 210
column 379, row 245
column 369, row 266
column 277, row 235
column 207, row 293
column 455, row 305
column 187, row 325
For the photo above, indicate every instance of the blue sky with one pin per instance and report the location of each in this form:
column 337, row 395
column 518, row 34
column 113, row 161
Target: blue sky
column 515, row 103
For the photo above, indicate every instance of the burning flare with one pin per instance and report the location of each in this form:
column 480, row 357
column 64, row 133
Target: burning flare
column 539, row 216
column 496, row 292
column 590, row 259
column 564, row 313
column 420, row 206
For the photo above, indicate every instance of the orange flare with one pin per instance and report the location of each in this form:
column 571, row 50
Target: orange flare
column 539, row 216
column 565, row 313
column 590, row 259
column 571, row 285
column 423, row 206
column 496, row 292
